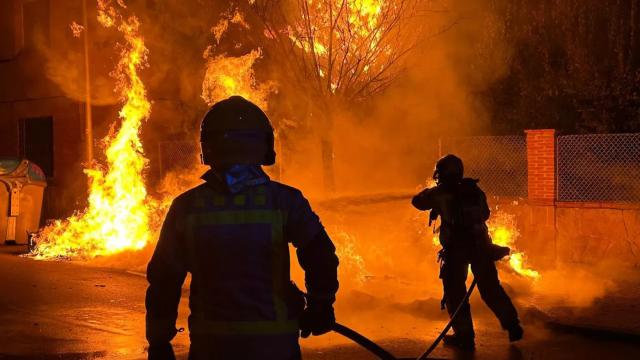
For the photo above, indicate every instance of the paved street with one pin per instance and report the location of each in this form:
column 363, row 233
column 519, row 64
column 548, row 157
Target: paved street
column 63, row 310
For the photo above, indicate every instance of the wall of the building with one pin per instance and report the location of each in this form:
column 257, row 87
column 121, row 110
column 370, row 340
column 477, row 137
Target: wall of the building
column 11, row 34
column 26, row 92
column 67, row 180
column 42, row 74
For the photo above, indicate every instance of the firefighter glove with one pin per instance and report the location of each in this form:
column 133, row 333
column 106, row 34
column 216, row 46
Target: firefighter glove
column 317, row 319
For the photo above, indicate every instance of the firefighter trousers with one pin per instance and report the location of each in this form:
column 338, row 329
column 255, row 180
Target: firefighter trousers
column 454, row 275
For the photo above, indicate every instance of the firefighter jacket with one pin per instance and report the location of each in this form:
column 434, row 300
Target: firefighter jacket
column 463, row 210
column 235, row 245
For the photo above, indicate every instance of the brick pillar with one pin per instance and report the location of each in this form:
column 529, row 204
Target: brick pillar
column 541, row 159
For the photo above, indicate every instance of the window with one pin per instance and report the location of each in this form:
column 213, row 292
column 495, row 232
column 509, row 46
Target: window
column 36, row 142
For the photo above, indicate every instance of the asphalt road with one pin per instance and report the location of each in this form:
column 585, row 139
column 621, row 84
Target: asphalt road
column 63, row 310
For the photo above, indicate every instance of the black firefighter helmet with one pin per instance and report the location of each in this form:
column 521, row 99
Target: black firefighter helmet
column 236, row 131
column 449, row 169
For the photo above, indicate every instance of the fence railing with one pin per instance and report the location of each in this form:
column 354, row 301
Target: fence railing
column 603, row 167
column 500, row 162
column 600, row 167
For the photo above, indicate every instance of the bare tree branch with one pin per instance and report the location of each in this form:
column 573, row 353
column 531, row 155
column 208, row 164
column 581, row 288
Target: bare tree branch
column 344, row 50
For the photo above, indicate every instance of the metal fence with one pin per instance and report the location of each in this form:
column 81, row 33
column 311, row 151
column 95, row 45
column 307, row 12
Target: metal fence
column 500, row 162
column 177, row 154
column 603, row 167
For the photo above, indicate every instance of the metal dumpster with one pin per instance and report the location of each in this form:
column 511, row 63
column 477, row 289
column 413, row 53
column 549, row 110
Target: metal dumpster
column 22, row 185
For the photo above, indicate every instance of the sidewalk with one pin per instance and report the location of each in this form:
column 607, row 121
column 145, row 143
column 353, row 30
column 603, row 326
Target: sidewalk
column 615, row 315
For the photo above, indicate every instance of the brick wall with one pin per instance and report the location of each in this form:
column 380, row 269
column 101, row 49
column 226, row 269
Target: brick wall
column 541, row 158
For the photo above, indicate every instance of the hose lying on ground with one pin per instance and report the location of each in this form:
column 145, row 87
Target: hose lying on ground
column 383, row 354
column 363, row 341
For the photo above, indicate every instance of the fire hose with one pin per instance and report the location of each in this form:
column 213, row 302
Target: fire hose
column 383, row 354
column 450, row 323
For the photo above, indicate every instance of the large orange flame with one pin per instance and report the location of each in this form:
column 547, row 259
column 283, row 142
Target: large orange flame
column 117, row 217
column 504, row 233
column 227, row 76
column 352, row 261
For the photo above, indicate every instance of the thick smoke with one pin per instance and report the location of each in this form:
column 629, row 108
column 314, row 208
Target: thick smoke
column 389, row 140
column 394, row 143
column 62, row 50
column 385, row 145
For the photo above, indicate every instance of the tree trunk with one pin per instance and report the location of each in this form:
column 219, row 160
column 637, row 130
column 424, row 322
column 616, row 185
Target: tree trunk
column 328, row 174
column 326, row 148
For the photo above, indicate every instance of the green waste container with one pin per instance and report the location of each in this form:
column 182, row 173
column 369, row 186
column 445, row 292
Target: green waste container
column 22, row 185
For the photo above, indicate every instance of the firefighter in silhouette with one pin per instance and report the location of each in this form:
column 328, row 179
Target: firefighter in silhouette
column 232, row 234
column 465, row 240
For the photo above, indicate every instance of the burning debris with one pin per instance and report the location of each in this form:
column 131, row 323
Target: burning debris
column 76, row 29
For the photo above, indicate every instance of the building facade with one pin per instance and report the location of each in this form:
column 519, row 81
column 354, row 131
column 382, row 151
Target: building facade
column 38, row 121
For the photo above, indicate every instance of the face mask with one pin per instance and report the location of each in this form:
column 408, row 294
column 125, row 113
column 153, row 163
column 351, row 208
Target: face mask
column 239, row 177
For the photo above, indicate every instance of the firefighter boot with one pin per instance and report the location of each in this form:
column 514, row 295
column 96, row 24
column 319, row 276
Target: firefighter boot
column 462, row 342
column 515, row 333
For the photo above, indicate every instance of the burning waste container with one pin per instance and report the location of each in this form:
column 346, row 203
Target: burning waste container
column 22, row 186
